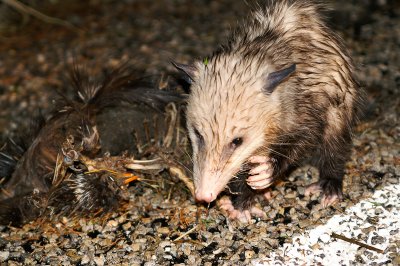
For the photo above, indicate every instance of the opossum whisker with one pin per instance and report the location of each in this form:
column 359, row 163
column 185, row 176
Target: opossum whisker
column 232, row 192
column 284, row 143
column 223, row 167
column 180, row 163
column 268, row 149
column 186, row 153
column 235, row 179
column 186, row 168
column 280, row 144
column 242, row 171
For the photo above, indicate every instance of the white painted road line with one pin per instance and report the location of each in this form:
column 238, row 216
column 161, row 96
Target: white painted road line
column 374, row 221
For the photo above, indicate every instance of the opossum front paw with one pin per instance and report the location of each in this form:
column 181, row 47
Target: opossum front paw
column 261, row 175
column 243, row 216
column 331, row 191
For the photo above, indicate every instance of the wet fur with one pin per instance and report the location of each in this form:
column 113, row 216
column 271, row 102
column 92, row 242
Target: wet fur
column 29, row 190
column 310, row 114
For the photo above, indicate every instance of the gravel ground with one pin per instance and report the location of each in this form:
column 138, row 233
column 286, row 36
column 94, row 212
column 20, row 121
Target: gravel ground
column 161, row 225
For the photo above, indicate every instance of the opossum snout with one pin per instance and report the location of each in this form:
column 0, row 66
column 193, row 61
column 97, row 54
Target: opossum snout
column 205, row 196
column 209, row 184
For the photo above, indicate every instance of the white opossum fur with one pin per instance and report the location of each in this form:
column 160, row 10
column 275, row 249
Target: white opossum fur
column 284, row 88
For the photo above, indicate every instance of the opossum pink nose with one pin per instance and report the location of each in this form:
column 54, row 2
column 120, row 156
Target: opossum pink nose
column 205, row 196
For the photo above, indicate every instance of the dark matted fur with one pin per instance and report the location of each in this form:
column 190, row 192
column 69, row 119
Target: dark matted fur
column 30, row 187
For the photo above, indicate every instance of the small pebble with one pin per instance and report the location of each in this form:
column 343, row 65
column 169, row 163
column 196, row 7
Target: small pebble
column 378, row 211
column 135, row 247
column 85, row 259
column 249, row 254
column 377, row 240
column 112, row 223
column 163, row 230
column 4, row 255
column 127, row 226
column 99, row 260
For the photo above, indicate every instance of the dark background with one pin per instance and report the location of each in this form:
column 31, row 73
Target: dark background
column 35, row 54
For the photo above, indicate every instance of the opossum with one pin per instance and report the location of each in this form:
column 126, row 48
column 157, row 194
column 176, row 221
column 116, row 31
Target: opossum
column 282, row 89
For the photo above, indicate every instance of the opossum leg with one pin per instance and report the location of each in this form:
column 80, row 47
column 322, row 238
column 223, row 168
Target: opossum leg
column 240, row 204
column 331, row 165
column 244, row 216
column 261, row 175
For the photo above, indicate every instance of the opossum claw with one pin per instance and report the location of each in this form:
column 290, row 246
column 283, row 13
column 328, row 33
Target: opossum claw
column 243, row 216
column 261, row 168
column 312, row 189
column 327, row 201
column 261, row 175
column 259, row 159
column 260, row 181
column 226, row 204
column 330, row 193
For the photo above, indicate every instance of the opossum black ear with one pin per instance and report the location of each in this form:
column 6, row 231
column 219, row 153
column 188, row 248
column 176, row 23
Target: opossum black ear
column 275, row 78
column 189, row 71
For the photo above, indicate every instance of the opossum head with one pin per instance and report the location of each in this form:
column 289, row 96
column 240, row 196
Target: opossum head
column 232, row 107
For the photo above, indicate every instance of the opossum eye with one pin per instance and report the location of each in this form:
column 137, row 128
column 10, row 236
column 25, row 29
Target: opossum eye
column 200, row 138
column 236, row 142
